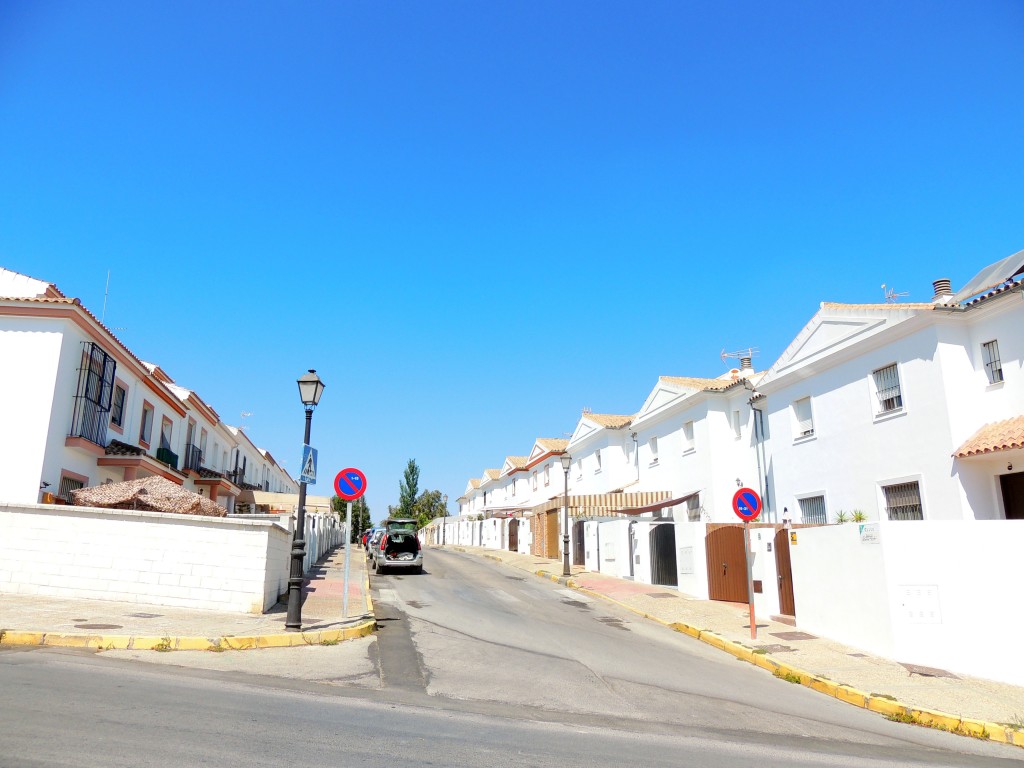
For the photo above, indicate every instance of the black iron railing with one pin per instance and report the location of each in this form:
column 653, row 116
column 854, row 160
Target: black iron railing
column 193, row 458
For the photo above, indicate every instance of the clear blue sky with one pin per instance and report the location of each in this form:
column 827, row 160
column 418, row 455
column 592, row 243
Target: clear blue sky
column 476, row 218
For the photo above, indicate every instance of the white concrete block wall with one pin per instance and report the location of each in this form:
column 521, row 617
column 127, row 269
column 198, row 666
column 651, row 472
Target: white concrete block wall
column 938, row 593
column 144, row 557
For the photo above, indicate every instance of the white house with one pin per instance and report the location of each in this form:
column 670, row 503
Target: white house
column 903, row 411
column 697, row 439
column 79, row 408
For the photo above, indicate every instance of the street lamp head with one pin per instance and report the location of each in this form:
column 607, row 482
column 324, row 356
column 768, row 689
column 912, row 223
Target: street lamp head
column 566, row 460
column 310, row 389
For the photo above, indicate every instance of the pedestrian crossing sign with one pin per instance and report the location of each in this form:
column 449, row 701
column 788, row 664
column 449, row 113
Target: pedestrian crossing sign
column 308, row 473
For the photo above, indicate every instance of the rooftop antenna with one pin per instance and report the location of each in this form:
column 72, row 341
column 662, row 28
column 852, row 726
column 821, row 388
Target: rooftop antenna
column 891, row 296
column 103, row 315
column 742, row 354
column 243, row 416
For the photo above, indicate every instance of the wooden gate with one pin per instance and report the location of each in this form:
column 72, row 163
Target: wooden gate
column 727, row 563
column 577, row 543
column 513, row 535
column 784, row 568
column 663, row 555
column 552, row 540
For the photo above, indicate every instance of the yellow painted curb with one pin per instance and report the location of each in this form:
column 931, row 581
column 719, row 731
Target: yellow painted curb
column 977, row 728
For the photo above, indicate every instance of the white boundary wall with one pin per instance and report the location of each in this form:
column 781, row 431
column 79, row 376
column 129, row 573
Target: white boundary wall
column 938, row 593
column 153, row 558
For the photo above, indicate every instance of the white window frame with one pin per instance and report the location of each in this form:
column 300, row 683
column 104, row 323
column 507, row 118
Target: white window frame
column 534, row 479
column 547, row 475
column 991, row 361
column 652, row 444
column 802, row 410
column 898, row 392
column 688, row 442
column 811, row 497
column 597, row 461
column 895, row 482
column 737, row 427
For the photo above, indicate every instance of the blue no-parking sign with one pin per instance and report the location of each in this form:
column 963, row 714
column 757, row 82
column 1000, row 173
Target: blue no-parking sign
column 746, row 503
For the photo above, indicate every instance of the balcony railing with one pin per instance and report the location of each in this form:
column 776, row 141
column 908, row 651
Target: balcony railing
column 168, row 457
column 193, row 458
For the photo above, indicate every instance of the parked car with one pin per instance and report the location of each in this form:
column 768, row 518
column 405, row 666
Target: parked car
column 398, row 548
column 373, row 540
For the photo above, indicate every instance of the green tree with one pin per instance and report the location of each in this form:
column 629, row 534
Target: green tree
column 408, row 490
column 360, row 515
column 430, row 504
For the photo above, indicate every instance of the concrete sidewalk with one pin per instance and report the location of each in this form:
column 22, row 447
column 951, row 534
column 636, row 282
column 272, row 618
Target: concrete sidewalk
column 937, row 698
column 42, row 620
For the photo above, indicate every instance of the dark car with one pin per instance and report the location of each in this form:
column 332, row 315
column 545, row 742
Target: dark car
column 398, row 548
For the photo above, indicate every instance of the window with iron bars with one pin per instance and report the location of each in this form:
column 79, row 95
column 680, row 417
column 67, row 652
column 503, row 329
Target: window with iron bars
column 887, row 388
column 993, row 365
column 903, row 501
column 93, row 396
column 67, row 485
column 812, row 510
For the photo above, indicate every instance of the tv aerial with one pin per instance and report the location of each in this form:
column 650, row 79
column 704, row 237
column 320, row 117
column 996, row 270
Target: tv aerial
column 750, row 352
column 891, row 297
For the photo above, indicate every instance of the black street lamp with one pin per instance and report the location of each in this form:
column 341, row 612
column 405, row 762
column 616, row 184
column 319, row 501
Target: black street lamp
column 566, row 460
column 310, row 389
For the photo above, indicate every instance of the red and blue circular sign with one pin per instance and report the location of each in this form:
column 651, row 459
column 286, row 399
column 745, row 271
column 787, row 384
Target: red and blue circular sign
column 746, row 504
column 350, row 484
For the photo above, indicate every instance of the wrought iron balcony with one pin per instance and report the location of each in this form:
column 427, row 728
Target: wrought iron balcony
column 168, row 457
column 193, row 458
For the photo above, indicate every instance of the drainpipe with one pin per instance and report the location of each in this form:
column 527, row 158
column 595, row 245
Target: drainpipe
column 762, row 461
column 636, row 455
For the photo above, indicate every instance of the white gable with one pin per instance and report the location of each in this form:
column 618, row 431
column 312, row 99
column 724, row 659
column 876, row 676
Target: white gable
column 17, row 286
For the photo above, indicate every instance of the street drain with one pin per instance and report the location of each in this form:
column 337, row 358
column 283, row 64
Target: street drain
column 98, row 626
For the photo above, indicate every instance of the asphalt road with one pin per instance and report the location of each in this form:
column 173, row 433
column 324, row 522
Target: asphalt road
column 473, row 665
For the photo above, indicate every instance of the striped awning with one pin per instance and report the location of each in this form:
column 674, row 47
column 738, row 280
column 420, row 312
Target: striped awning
column 610, row 504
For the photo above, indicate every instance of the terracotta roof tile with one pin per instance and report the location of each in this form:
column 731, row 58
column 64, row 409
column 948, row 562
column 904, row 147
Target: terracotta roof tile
column 517, row 461
column 696, row 383
column 887, row 305
column 997, row 436
column 474, row 482
column 492, row 474
column 609, row 420
column 553, row 443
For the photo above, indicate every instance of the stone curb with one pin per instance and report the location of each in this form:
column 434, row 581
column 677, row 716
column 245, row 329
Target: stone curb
column 186, row 643
column 980, row 729
column 169, row 643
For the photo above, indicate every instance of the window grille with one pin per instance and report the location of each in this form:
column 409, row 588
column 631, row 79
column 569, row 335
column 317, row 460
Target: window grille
column 993, row 365
column 812, row 510
column 887, row 387
column 903, row 501
column 92, row 398
column 67, row 485
column 804, row 418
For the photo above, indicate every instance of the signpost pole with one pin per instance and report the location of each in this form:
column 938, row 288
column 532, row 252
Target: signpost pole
column 348, row 549
column 750, row 579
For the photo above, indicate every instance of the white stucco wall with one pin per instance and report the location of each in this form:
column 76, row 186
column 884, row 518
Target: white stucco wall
column 937, row 593
column 26, row 404
column 142, row 557
column 691, row 559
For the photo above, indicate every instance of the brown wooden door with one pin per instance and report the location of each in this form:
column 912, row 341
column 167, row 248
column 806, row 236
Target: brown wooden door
column 784, row 568
column 727, row 564
column 513, row 535
column 552, row 544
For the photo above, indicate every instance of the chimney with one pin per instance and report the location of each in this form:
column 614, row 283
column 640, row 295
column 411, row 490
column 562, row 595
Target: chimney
column 943, row 288
column 746, row 364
